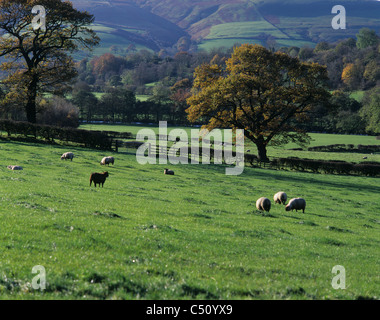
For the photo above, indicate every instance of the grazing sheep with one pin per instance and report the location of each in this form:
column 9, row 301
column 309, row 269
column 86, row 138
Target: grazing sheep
column 67, row 155
column 15, row 168
column 98, row 178
column 167, row 171
column 107, row 160
column 280, row 197
column 263, row 204
column 297, row 204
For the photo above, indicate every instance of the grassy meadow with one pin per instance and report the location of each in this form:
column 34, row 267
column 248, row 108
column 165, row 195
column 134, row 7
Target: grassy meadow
column 232, row 33
column 195, row 235
column 109, row 37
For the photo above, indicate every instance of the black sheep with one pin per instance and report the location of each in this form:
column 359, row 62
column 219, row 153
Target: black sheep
column 98, row 178
column 167, row 171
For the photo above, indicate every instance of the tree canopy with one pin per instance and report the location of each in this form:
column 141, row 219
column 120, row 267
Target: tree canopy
column 267, row 94
column 366, row 38
column 38, row 60
column 371, row 111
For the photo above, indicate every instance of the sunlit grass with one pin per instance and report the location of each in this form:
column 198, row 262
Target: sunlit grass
column 197, row 234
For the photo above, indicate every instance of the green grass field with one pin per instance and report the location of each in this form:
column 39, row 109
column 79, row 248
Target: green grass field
column 140, row 97
column 358, row 95
column 195, row 235
column 249, row 29
column 230, row 34
column 317, row 138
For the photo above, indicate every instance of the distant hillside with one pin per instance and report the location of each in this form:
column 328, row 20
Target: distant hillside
column 188, row 24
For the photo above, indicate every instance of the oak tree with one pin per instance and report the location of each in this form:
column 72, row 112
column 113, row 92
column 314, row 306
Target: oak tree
column 265, row 93
column 38, row 60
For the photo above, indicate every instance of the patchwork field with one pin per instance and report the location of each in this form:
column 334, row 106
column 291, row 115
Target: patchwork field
column 194, row 235
column 156, row 25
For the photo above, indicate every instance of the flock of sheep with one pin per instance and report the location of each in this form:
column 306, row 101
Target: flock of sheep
column 264, row 204
column 97, row 177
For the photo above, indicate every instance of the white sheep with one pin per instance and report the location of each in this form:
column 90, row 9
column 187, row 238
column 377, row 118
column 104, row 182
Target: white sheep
column 67, row 155
column 296, row 204
column 280, row 197
column 14, row 167
column 263, row 204
column 107, row 160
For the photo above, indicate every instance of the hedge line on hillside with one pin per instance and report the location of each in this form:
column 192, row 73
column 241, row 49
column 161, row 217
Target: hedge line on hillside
column 91, row 139
column 346, row 148
column 332, row 166
column 317, row 166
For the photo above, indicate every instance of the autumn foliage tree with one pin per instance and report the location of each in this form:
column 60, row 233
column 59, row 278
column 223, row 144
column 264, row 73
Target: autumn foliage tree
column 107, row 64
column 38, row 59
column 180, row 91
column 267, row 94
column 351, row 75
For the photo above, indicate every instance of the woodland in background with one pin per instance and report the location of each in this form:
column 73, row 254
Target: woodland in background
column 148, row 87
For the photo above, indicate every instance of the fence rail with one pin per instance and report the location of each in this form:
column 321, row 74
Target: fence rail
column 296, row 164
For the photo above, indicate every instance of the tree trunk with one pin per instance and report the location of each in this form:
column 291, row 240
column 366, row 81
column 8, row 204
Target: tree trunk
column 157, row 115
column 262, row 152
column 30, row 108
column 89, row 115
column 31, row 111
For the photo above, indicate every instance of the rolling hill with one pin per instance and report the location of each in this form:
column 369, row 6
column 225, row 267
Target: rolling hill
column 202, row 24
column 123, row 23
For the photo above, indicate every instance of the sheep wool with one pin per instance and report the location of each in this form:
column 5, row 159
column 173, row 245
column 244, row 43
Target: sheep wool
column 14, row 168
column 98, row 178
column 167, row 171
column 296, row 204
column 107, row 160
column 67, row 155
column 280, row 197
column 263, row 204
